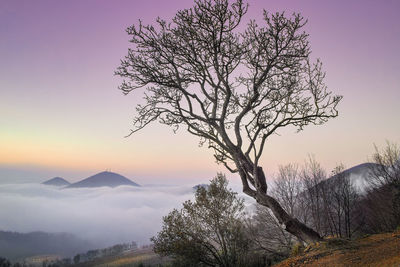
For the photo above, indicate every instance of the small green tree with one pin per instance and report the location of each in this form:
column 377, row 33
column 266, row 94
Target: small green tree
column 77, row 258
column 209, row 231
column 4, row 262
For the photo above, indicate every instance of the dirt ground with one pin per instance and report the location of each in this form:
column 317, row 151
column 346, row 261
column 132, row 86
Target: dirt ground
column 381, row 250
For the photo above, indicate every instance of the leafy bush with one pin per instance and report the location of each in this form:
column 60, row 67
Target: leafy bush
column 209, row 231
column 297, row 249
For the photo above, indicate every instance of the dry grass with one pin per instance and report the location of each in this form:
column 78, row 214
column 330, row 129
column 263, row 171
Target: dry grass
column 128, row 260
column 145, row 256
column 381, row 250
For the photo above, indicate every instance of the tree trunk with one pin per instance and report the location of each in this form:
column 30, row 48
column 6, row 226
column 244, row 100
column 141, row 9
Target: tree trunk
column 290, row 224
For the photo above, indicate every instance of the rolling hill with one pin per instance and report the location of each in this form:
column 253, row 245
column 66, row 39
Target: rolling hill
column 17, row 246
column 57, row 181
column 358, row 176
column 106, row 178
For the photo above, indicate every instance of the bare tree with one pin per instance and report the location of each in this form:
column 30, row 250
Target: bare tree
column 343, row 198
column 231, row 89
column 313, row 176
column 349, row 202
column 268, row 235
column 378, row 211
column 287, row 188
column 382, row 202
column 386, row 169
column 330, row 203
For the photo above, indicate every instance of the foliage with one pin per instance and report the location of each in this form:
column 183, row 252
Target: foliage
column 208, row 231
column 4, row 262
column 297, row 249
column 76, row 258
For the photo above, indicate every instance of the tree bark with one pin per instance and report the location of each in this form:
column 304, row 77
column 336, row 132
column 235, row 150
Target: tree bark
column 290, row 224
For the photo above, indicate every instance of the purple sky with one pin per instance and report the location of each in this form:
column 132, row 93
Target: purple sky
column 61, row 112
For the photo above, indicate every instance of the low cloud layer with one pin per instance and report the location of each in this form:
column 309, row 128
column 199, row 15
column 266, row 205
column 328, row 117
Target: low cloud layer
column 102, row 215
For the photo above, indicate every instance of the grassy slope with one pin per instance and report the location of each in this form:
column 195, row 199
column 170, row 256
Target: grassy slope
column 381, row 250
column 375, row 250
column 144, row 255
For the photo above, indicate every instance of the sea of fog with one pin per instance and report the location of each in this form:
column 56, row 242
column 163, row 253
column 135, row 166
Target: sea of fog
column 105, row 216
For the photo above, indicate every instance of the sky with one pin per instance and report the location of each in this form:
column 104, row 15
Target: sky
column 61, row 113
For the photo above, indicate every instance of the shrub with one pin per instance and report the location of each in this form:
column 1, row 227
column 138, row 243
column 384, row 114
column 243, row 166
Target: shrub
column 297, row 249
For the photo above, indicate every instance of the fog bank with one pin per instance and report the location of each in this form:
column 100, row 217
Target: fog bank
column 103, row 215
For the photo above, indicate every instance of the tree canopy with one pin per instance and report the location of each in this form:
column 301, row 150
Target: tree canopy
column 230, row 84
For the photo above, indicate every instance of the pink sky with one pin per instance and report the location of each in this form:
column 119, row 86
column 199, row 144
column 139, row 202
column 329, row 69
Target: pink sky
column 61, row 112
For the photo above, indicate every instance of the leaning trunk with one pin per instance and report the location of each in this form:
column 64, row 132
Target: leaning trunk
column 290, row 224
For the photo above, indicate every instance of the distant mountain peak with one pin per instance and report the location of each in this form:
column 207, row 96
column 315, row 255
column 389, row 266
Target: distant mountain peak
column 105, row 178
column 57, row 181
column 358, row 175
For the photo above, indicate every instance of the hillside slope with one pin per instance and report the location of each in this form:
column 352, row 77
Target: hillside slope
column 375, row 250
column 145, row 256
column 358, row 175
column 110, row 179
column 17, row 246
column 57, row 181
